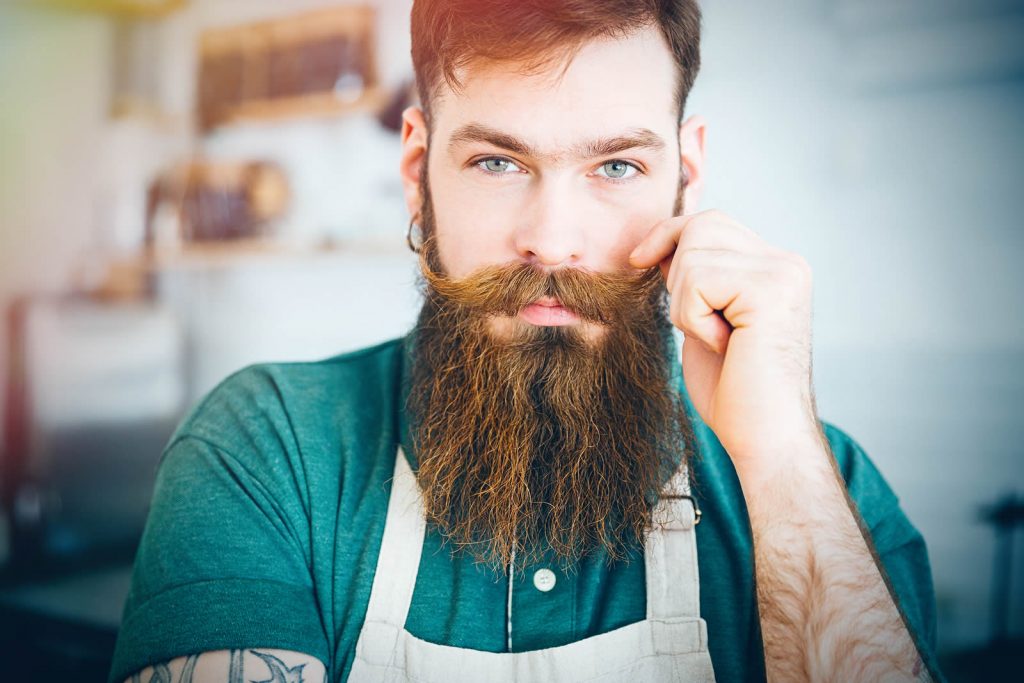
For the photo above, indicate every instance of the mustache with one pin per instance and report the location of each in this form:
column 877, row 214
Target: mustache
column 602, row 297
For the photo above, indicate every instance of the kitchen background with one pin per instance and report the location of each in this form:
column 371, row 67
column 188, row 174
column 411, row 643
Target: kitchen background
column 190, row 186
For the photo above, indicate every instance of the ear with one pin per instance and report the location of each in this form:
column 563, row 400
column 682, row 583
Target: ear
column 691, row 154
column 414, row 156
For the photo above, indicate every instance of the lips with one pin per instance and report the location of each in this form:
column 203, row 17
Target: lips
column 547, row 311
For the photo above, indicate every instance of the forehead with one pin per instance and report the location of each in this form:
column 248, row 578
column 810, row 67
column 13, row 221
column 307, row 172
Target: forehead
column 611, row 85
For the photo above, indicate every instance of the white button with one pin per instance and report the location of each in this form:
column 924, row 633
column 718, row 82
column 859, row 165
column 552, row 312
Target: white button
column 544, row 580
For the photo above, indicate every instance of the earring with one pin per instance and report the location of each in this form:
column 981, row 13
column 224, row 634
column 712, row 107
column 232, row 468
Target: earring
column 408, row 237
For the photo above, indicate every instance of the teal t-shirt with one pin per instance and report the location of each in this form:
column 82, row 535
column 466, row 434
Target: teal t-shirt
column 269, row 506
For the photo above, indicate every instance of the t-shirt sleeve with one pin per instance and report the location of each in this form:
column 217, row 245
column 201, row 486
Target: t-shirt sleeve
column 224, row 558
column 899, row 545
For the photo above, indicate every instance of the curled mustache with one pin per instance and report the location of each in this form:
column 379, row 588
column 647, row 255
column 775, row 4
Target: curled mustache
column 606, row 298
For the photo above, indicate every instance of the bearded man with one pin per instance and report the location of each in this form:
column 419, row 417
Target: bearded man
column 534, row 483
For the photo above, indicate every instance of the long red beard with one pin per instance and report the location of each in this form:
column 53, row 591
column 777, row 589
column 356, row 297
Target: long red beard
column 544, row 438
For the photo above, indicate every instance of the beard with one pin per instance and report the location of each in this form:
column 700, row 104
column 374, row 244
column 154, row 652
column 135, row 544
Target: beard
column 542, row 438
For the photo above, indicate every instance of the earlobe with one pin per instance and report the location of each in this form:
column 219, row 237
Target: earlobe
column 414, row 156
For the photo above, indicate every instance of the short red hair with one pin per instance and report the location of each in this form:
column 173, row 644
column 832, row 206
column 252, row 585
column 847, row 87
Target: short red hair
column 448, row 35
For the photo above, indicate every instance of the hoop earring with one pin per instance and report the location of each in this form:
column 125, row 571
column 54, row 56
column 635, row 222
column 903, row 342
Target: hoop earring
column 408, row 237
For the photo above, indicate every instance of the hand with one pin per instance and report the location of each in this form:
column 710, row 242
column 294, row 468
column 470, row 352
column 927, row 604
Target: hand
column 744, row 308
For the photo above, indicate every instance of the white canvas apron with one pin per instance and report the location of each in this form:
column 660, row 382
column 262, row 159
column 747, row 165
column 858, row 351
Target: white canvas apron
column 669, row 645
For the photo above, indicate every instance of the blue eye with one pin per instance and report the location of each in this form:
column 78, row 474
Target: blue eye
column 497, row 165
column 618, row 170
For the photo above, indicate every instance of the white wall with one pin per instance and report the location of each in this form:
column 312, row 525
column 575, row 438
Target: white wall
column 55, row 86
column 882, row 140
column 54, row 91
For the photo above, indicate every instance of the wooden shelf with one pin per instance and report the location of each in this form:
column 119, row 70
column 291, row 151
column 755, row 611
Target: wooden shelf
column 312, row 106
column 129, row 277
column 227, row 253
column 295, row 66
column 220, row 254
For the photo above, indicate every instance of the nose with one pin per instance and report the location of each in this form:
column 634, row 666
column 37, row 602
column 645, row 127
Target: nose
column 550, row 232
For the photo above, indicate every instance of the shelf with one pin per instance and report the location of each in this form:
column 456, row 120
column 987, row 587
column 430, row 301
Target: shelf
column 235, row 252
column 129, row 277
column 312, row 106
column 294, row 66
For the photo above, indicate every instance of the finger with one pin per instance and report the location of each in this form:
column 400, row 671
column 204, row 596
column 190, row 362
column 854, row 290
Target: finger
column 688, row 258
column 659, row 243
column 710, row 229
column 740, row 265
column 697, row 303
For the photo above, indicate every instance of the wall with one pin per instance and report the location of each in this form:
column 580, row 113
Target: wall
column 882, row 141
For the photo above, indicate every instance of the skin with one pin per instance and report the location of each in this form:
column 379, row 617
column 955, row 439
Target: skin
column 235, row 666
column 743, row 305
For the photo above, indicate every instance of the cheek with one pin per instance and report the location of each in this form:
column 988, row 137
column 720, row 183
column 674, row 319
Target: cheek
column 635, row 219
column 473, row 227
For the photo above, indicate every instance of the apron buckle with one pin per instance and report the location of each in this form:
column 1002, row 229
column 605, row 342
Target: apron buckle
column 680, row 496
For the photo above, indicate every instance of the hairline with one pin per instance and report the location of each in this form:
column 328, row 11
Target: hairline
column 559, row 55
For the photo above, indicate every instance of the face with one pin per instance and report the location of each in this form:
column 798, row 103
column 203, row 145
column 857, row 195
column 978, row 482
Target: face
column 537, row 424
column 518, row 174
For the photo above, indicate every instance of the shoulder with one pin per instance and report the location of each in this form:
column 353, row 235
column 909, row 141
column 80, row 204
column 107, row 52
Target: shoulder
column 271, row 401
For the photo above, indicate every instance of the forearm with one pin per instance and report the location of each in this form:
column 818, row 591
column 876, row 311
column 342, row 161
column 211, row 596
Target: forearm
column 826, row 613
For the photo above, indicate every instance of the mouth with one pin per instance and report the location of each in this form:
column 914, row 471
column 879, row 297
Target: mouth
column 548, row 312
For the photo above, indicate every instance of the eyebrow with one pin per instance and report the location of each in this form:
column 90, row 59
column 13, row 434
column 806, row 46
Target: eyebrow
column 642, row 138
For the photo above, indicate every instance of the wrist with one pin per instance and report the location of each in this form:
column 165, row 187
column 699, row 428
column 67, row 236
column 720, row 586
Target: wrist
column 800, row 457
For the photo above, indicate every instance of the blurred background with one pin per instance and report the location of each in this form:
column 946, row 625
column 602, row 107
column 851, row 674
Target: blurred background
column 190, row 186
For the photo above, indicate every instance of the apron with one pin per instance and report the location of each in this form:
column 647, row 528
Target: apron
column 669, row 645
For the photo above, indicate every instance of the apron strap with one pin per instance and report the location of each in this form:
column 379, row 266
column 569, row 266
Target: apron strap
column 400, row 549
column 670, row 554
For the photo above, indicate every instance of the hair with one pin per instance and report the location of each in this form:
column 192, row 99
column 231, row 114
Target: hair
column 448, row 35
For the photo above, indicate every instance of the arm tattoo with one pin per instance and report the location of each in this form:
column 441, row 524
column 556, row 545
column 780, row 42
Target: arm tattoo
column 279, row 671
column 235, row 674
column 161, row 674
column 189, row 669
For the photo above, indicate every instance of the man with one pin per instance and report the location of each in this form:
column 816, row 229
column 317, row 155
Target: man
column 531, row 485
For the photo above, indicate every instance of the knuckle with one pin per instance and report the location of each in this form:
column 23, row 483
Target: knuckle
column 689, row 279
column 687, row 258
column 796, row 268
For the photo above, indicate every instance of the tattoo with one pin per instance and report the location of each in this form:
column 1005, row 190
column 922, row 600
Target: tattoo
column 189, row 670
column 236, row 672
column 279, row 671
column 161, row 674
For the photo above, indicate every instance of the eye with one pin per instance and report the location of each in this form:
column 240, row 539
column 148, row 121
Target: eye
column 497, row 165
column 618, row 169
